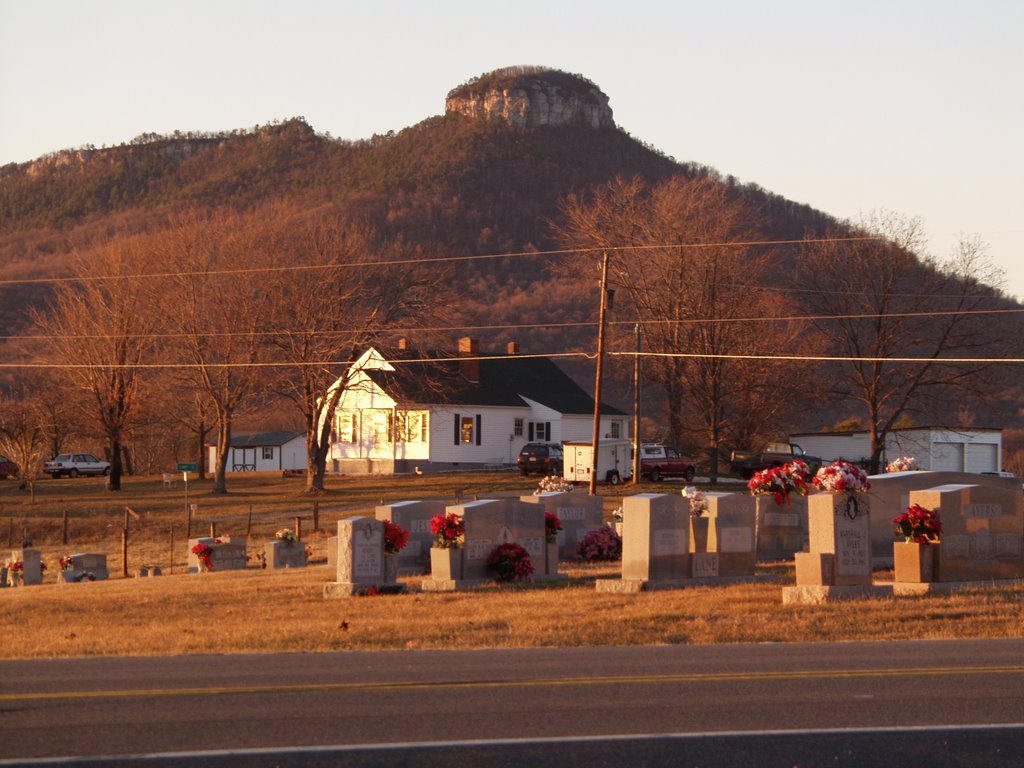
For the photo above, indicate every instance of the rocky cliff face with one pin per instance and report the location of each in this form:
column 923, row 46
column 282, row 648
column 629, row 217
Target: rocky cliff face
column 532, row 98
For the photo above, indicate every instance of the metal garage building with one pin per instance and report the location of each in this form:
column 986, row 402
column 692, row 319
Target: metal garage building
column 940, row 449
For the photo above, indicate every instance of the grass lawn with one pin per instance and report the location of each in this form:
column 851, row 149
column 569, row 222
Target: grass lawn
column 263, row 610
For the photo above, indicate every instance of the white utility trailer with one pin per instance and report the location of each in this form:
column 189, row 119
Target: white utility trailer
column 614, row 461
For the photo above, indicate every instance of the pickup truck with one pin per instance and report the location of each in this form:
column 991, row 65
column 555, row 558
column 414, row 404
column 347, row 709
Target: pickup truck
column 658, row 461
column 746, row 463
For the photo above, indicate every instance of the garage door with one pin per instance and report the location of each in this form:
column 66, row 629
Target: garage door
column 983, row 457
column 948, row 457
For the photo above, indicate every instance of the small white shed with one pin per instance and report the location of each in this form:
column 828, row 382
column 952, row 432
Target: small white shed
column 263, row 452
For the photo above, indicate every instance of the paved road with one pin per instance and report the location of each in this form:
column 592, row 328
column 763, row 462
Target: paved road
column 932, row 703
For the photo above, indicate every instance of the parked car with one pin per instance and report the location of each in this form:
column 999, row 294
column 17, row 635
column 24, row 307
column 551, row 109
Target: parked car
column 75, row 464
column 658, row 461
column 543, row 458
column 7, row 468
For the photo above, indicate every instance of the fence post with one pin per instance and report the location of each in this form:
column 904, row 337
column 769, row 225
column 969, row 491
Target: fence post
column 64, row 529
column 171, row 569
column 213, row 529
column 124, row 551
column 248, row 525
column 316, row 516
column 298, row 528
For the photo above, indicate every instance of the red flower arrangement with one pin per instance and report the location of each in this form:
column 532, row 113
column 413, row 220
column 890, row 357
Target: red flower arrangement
column 552, row 525
column 204, row 552
column 17, row 566
column 601, row 544
column 781, row 482
column 67, row 563
column 395, row 537
column 448, row 529
column 511, row 562
column 918, row 525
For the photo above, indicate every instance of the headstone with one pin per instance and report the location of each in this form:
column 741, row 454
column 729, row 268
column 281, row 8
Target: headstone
column 225, row 555
column 579, row 514
column 491, row 522
column 655, row 544
column 839, row 524
column 32, row 569
column 361, row 565
column 982, row 531
column 731, row 528
column 85, row 566
column 890, row 497
column 284, row 554
column 838, row 565
column 781, row 528
column 415, row 517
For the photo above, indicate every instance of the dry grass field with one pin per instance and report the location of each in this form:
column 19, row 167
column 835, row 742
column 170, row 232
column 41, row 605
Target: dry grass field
column 263, row 610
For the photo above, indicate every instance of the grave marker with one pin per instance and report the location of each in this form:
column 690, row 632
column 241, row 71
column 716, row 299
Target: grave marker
column 578, row 512
column 225, row 555
column 655, row 544
column 284, row 554
column 415, row 517
column 360, row 559
column 982, row 531
column 838, row 565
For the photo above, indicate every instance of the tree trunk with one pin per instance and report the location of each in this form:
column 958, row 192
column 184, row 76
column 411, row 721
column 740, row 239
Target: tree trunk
column 202, row 430
column 114, row 481
column 223, row 451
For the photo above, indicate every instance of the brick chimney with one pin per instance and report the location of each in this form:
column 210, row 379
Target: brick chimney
column 469, row 368
column 403, row 343
column 512, row 348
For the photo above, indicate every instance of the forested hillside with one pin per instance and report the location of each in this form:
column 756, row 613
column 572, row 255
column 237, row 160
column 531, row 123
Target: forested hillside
column 453, row 185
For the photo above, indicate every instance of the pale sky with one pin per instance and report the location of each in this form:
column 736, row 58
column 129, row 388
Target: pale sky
column 911, row 106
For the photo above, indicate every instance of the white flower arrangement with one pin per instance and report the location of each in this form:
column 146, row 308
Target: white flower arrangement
column 553, row 484
column 698, row 501
column 617, row 515
column 287, row 535
column 841, row 476
column 902, row 464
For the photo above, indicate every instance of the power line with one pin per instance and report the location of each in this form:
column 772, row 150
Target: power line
column 584, row 355
column 430, row 260
column 517, row 326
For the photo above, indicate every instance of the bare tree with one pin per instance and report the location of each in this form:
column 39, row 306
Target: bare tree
column 884, row 301
column 325, row 317
column 694, row 288
column 23, row 438
column 217, row 305
column 99, row 326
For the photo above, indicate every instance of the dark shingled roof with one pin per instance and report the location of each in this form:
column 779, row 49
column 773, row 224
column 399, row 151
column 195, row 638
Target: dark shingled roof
column 504, row 381
column 261, row 439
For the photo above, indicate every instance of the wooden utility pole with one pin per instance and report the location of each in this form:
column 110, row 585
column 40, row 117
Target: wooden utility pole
column 600, row 370
column 636, row 406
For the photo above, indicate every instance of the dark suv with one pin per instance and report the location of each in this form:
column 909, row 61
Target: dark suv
column 544, row 458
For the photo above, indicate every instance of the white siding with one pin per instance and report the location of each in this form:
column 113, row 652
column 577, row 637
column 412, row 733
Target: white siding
column 496, row 426
column 581, row 428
